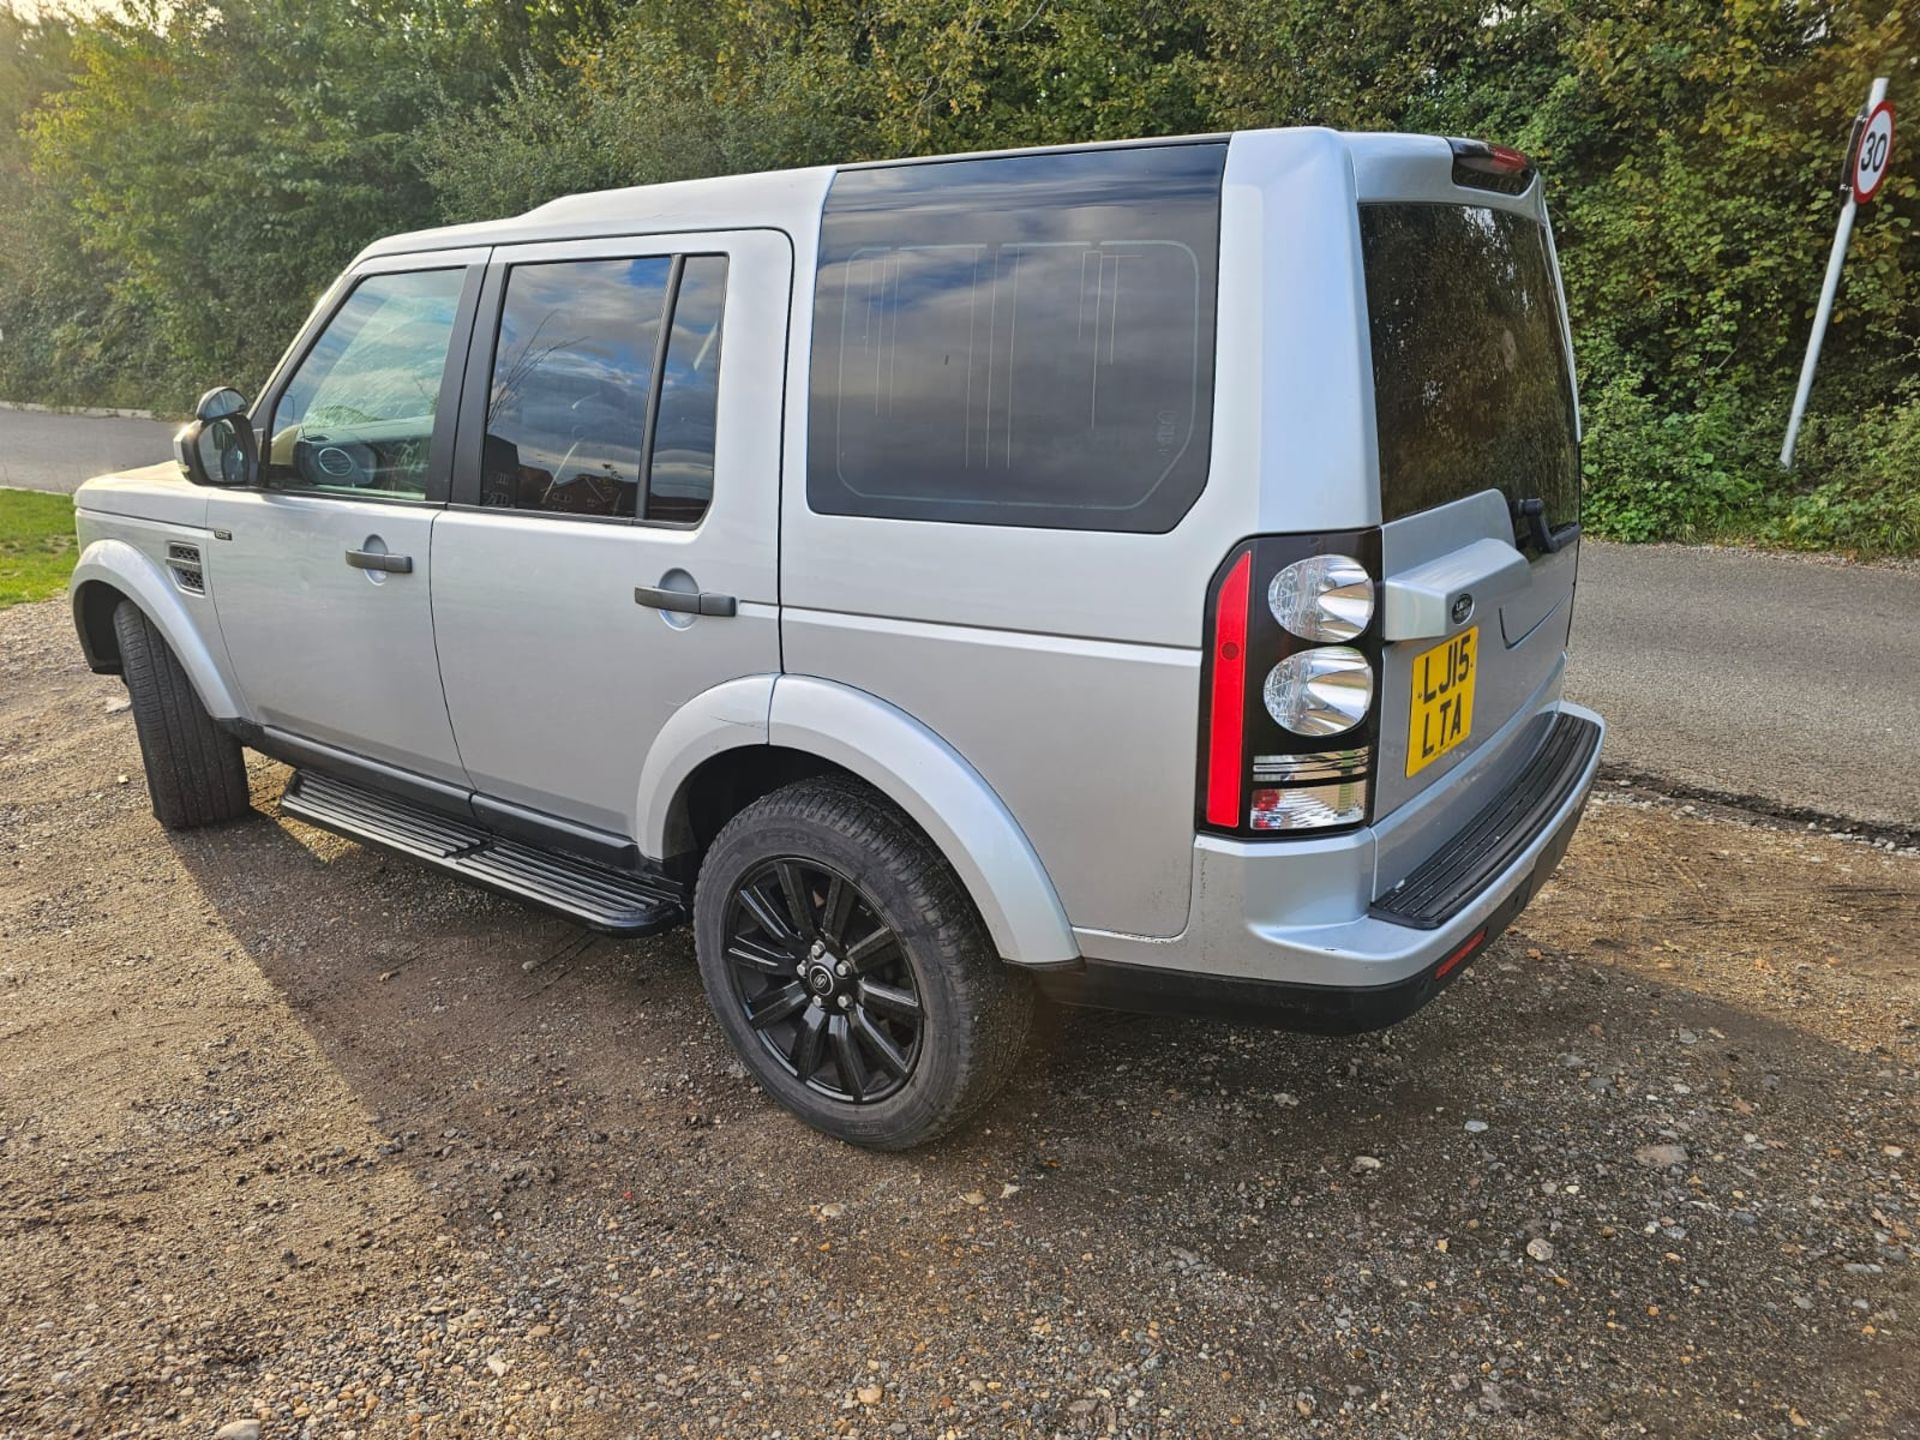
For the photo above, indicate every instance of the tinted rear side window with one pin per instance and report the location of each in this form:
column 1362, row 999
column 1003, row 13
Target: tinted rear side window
column 680, row 486
column 572, row 374
column 1018, row 341
column 1470, row 379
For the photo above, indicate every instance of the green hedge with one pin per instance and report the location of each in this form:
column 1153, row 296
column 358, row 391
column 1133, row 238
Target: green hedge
column 176, row 186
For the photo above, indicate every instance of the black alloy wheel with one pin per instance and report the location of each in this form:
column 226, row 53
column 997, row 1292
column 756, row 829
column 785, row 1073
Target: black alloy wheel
column 823, row 980
column 849, row 969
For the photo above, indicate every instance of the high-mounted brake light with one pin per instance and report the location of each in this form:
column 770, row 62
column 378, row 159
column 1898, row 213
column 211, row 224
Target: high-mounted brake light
column 1227, row 704
column 1490, row 167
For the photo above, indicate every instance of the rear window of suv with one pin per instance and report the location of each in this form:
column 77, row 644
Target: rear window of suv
column 1022, row 340
column 1470, row 378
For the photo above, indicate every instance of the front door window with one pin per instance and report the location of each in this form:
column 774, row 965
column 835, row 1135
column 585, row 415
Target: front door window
column 357, row 416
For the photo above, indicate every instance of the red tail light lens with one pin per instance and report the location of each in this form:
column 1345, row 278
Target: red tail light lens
column 1227, row 705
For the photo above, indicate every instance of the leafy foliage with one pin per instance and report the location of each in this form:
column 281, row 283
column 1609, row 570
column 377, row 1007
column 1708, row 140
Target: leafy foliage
column 177, row 183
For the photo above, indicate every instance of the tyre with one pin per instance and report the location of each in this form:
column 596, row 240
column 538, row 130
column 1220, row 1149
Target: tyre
column 195, row 772
column 849, row 969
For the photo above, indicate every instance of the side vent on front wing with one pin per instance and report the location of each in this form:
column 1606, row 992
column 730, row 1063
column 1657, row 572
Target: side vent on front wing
column 184, row 563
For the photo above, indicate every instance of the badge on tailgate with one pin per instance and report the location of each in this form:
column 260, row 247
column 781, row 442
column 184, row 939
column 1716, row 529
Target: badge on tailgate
column 1442, row 698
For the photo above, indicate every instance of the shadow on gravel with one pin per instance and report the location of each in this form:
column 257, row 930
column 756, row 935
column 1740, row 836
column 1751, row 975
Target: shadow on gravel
column 1162, row 1228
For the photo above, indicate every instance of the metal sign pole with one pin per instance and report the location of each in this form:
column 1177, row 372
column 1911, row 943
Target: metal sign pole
column 1820, row 316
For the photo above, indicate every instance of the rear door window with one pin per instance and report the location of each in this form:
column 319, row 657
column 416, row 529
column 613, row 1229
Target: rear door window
column 1470, row 378
column 680, row 486
column 1025, row 340
column 592, row 358
column 572, row 375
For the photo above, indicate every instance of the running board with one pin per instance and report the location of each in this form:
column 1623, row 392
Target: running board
column 602, row 899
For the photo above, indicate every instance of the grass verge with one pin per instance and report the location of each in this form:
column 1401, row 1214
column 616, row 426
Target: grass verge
column 36, row 545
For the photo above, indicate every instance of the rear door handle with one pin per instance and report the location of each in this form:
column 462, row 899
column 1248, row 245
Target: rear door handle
column 686, row 602
column 380, row 560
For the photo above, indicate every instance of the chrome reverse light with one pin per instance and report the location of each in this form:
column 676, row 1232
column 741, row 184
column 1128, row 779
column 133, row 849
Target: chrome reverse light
column 1324, row 597
column 1310, row 792
column 1311, row 807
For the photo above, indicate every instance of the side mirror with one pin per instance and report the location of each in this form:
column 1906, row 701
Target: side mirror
column 217, row 447
column 223, row 402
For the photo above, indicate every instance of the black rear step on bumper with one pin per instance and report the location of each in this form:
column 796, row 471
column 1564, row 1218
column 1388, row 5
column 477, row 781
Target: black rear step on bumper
column 600, row 899
column 1447, row 882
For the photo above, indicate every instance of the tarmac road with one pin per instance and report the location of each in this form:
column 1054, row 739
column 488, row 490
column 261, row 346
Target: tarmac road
column 1789, row 680
column 57, row 452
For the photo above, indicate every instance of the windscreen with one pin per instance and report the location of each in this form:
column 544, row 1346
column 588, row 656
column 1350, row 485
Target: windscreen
column 1470, row 378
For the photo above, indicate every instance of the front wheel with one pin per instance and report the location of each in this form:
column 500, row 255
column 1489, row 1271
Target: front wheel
column 196, row 774
column 849, row 969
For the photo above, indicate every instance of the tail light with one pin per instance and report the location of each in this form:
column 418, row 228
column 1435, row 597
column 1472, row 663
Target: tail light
column 1290, row 682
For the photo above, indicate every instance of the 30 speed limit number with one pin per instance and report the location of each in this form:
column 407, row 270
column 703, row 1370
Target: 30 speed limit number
column 1874, row 156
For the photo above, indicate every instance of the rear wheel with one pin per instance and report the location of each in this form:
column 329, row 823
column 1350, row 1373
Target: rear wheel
column 196, row 774
column 849, row 969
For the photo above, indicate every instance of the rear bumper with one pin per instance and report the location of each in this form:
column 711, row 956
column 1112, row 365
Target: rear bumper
column 1296, row 936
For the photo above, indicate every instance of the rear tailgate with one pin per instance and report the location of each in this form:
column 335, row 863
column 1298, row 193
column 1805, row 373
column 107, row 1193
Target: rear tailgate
column 1479, row 481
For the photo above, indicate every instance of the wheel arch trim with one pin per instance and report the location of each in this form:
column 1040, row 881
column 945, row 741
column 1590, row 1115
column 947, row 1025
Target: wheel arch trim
column 933, row 783
column 896, row 754
column 726, row 717
column 119, row 566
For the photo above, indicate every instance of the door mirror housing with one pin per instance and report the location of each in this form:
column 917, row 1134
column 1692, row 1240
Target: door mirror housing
column 223, row 402
column 217, row 446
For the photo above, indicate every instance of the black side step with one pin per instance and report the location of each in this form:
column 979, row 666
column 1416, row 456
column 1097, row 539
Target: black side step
column 607, row 900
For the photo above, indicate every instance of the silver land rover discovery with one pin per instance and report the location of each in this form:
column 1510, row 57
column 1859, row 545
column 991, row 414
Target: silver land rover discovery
column 1139, row 573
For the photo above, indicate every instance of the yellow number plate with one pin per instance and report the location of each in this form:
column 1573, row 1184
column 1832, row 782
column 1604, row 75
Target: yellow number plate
column 1442, row 698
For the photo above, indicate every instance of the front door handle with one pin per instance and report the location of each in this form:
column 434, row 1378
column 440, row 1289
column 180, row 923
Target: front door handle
column 380, row 560
column 686, row 602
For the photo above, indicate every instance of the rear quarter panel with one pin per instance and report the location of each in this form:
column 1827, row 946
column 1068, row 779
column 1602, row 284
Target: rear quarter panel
column 1064, row 665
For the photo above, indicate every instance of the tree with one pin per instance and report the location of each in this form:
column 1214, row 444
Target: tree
column 230, row 156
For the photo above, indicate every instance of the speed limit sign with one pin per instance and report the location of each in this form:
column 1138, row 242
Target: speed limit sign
column 1866, row 170
column 1873, row 157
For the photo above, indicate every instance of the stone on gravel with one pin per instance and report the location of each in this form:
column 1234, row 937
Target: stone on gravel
column 1661, row 1157
column 1541, row 1250
column 238, row 1430
column 1476, row 1127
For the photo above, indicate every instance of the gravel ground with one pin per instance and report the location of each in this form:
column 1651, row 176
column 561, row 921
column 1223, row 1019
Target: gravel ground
column 295, row 1134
